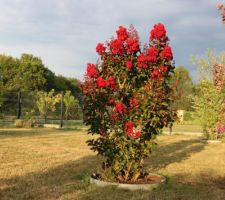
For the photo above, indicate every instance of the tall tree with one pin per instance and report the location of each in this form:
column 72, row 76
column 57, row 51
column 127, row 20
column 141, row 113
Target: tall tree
column 31, row 73
column 184, row 88
column 9, row 70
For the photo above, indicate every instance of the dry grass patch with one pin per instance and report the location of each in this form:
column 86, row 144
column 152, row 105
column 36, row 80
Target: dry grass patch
column 56, row 164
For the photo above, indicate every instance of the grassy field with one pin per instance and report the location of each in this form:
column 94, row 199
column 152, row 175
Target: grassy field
column 56, row 164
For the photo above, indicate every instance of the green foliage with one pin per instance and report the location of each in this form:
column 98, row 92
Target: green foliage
column 71, row 105
column 205, row 64
column 208, row 104
column 9, row 71
column 28, row 75
column 184, row 88
column 46, row 101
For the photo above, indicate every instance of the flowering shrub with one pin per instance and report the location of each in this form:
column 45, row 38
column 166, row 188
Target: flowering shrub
column 127, row 97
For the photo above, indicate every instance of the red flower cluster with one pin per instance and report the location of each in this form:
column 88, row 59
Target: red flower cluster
column 122, row 33
column 156, row 74
column 166, row 53
column 133, row 102
column 101, row 83
column 111, row 101
column 142, row 61
column 91, row 70
column 129, row 128
column 110, row 82
column 163, row 69
column 116, row 46
column 129, row 65
column 152, row 54
column 158, row 32
column 132, row 45
column 120, row 108
column 100, row 49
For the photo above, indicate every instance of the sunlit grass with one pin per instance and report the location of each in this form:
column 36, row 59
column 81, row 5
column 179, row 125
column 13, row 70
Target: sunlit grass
column 56, row 164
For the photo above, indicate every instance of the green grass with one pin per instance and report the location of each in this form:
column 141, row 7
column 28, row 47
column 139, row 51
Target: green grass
column 52, row 164
column 179, row 128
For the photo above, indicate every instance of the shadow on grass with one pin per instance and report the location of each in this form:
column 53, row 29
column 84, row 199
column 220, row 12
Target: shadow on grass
column 50, row 184
column 71, row 180
column 175, row 152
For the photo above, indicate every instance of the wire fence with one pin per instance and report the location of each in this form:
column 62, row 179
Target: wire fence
column 22, row 106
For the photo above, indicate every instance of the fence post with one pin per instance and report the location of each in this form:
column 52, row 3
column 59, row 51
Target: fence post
column 19, row 105
column 61, row 114
column 171, row 128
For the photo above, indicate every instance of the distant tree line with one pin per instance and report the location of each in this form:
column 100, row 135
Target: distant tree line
column 29, row 76
column 28, row 73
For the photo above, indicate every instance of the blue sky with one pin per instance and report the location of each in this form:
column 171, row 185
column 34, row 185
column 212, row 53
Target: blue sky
column 64, row 33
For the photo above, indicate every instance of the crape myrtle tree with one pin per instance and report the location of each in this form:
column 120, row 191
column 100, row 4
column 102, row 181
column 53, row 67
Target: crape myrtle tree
column 127, row 97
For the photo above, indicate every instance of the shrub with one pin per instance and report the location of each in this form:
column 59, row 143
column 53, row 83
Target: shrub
column 127, row 99
column 208, row 105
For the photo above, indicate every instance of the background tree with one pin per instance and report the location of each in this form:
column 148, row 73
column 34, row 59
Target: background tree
column 9, row 72
column 206, row 64
column 46, row 101
column 71, row 105
column 208, row 104
column 27, row 75
column 184, row 89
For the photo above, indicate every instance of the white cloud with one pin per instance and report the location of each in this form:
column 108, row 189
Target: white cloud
column 64, row 33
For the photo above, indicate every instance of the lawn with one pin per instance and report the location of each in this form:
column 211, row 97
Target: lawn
column 56, row 164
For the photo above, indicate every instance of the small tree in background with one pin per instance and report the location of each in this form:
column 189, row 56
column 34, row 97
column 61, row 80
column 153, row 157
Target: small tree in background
column 208, row 105
column 46, row 101
column 71, row 104
column 184, row 89
column 127, row 100
column 210, row 101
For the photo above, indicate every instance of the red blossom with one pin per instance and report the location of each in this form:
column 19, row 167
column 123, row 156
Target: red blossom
column 116, row 46
column 100, row 48
column 137, row 134
column 101, row 83
column 129, row 128
column 156, row 74
column 132, row 45
column 142, row 61
column 133, row 102
column 114, row 117
column 163, row 69
column 129, row 64
column 111, row 83
column 120, row 108
column 91, row 70
column 152, row 54
column 122, row 33
column 166, row 53
column 111, row 101
column 158, row 31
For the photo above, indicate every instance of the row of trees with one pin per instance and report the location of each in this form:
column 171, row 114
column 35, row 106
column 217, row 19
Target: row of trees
column 28, row 73
column 32, row 78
